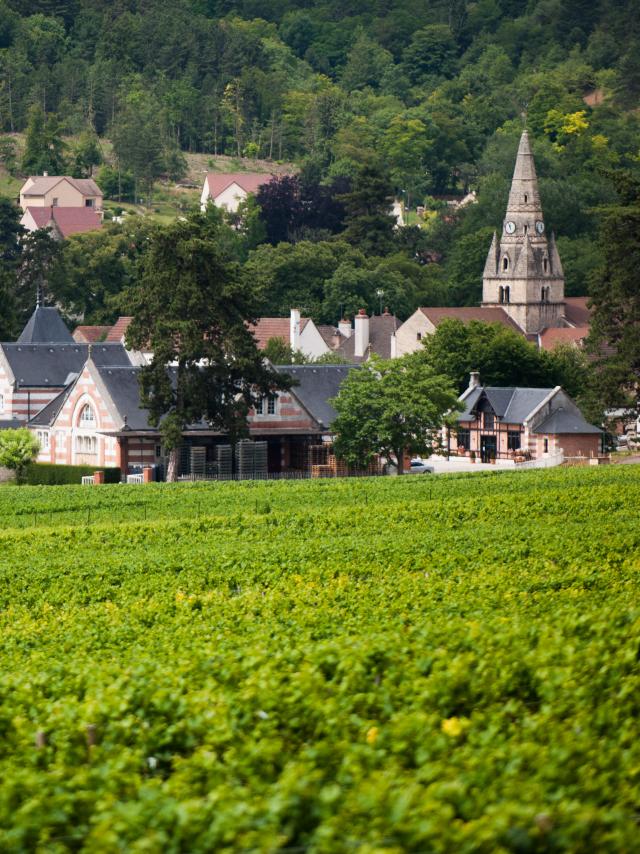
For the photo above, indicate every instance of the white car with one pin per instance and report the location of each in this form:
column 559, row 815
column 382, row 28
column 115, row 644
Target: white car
column 419, row 466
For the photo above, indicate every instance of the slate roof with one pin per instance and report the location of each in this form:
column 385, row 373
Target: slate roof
column 561, row 421
column 124, row 390
column 68, row 220
column 47, row 415
column 45, row 325
column 511, row 405
column 10, row 423
column 317, row 385
column 484, row 314
column 43, row 183
column 52, row 365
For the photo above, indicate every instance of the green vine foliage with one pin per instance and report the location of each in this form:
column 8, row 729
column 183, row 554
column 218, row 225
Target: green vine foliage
column 389, row 665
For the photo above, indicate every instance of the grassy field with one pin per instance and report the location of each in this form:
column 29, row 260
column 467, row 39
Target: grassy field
column 375, row 665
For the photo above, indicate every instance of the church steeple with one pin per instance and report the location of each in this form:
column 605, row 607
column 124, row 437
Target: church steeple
column 523, row 274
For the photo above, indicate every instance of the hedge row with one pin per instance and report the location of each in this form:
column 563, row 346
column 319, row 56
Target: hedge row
column 51, row 474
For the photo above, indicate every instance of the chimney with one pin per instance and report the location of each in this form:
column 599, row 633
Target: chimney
column 361, row 333
column 294, row 329
column 474, row 379
column 344, row 328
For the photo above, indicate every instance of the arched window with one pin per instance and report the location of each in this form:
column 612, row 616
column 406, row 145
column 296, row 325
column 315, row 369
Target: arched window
column 87, row 416
column 526, row 198
column 544, row 297
column 507, row 294
column 501, row 294
column 526, row 229
column 545, row 265
column 505, row 263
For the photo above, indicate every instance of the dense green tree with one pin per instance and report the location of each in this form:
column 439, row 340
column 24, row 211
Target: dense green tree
column 615, row 298
column 44, row 149
column 192, row 309
column 432, row 53
column 391, row 408
column 17, row 449
column 86, row 154
column 368, row 219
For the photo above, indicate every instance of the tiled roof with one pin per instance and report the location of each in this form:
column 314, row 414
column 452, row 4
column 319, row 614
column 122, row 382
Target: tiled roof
column 274, row 327
column 576, row 312
column 119, row 329
column 90, row 334
column 553, row 337
column 381, row 329
column 43, row 183
column 468, row 313
column 218, row 182
column 45, row 326
column 68, row 220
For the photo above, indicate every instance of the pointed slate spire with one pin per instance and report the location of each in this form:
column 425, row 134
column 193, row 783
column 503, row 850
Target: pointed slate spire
column 524, row 195
column 554, row 258
column 491, row 265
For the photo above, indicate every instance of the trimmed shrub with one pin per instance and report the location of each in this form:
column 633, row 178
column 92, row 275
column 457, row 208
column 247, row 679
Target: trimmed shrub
column 50, row 474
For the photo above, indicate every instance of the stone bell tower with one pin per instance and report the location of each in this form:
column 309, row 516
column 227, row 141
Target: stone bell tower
column 523, row 274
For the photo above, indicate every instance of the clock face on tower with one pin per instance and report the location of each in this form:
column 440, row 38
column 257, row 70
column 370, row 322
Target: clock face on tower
column 510, row 227
column 539, row 226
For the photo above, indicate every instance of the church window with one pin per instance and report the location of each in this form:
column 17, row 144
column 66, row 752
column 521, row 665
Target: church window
column 507, row 294
column 505, row 263
column 526, row 229
column 545, row 265
column 87, row 417
column 526, row 198
column 501, row 294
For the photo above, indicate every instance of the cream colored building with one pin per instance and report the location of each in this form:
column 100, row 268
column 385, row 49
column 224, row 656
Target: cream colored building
column 45, row 191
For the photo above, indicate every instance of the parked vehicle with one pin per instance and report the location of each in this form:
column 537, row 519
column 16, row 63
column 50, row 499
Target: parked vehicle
column 418, row 466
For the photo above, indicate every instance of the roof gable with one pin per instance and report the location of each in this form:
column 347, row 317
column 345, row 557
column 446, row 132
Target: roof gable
column 317, row 385
column 68, row 220
column 218, row 182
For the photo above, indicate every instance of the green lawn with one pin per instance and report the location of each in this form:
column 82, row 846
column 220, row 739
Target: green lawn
column 375, row 665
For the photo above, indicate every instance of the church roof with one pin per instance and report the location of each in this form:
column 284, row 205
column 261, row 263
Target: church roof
column 525, row 180
column 45, row 325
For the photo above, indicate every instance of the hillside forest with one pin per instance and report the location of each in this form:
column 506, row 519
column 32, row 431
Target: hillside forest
column 417, row 100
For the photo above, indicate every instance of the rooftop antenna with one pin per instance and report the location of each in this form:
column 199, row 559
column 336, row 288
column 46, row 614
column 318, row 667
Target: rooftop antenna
column 38, row 295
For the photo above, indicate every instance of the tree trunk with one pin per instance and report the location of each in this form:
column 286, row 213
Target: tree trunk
column 400, row 461
column 172, row 466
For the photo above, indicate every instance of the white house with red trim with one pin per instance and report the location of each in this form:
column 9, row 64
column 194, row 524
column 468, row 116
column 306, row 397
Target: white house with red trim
column 229, row 189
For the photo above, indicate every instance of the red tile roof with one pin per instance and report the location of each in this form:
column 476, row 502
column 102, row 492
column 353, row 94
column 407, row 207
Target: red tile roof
column 90, row 334
column 68, row 220
column 118, row 330
column 576, row 311
column 274, row 327
column 550, row 338
column 468, row 313
column 249, row 181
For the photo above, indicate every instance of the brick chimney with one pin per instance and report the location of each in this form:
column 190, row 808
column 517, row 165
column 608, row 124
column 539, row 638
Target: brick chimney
column 361, row 333
column 474, row 379
column 294, row 329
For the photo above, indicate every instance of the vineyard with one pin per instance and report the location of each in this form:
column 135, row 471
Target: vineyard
column 377, row 665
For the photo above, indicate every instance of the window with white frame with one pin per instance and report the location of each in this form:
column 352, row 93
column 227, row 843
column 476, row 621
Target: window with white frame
column 43, row 438
column 87, row 416
column 259, row 407
column 86, row 445
column 271, row 406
